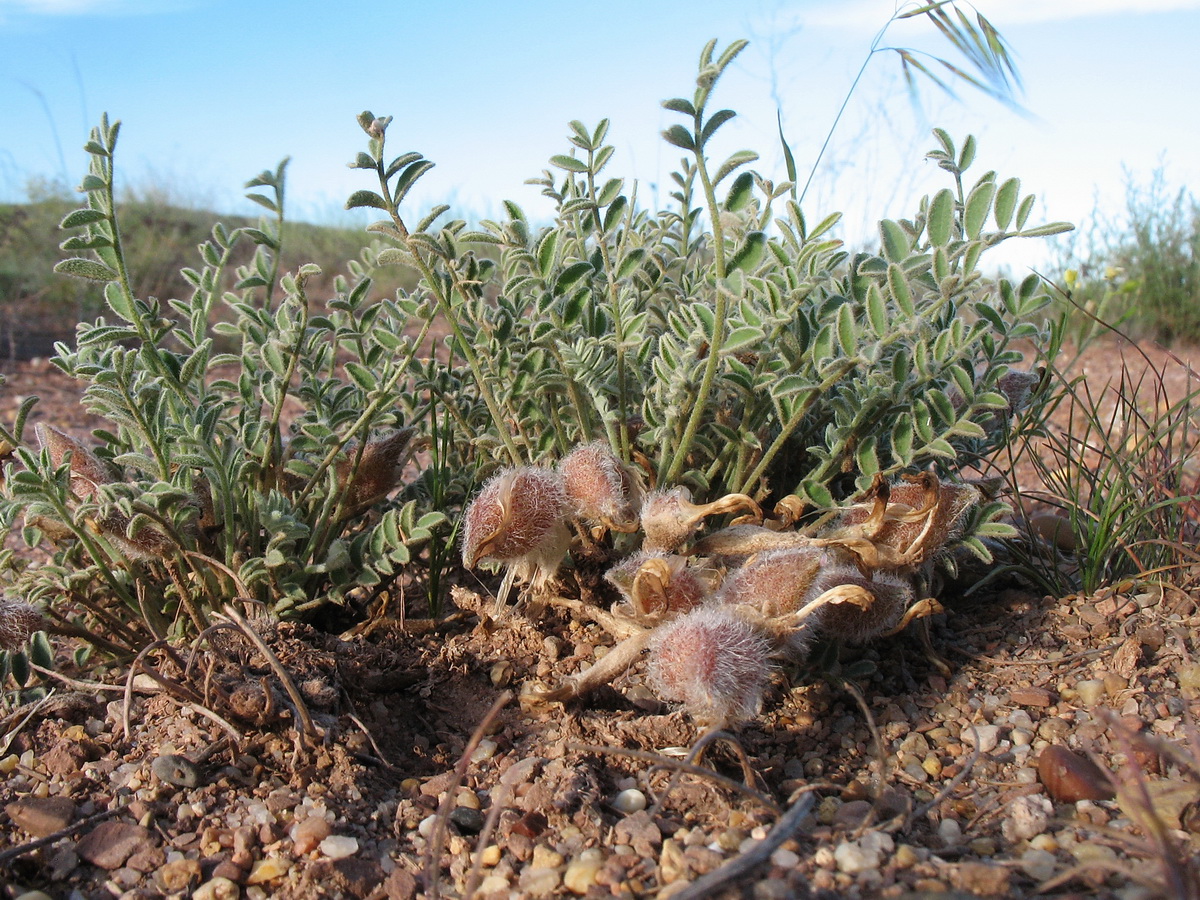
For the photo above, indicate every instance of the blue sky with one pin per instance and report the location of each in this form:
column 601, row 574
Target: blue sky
column 210, row 92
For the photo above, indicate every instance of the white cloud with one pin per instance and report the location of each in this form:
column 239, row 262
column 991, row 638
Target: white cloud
column 873, row 13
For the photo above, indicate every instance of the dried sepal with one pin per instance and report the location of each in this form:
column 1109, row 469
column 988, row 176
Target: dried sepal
column 600, row 488
column 656, row 584
column 18, row 621
column 712, row 661
column 517, row 519
column 904, row 525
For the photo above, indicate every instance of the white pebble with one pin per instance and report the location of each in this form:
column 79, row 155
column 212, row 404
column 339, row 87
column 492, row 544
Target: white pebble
column 785, row 858
column 877, row 842
column 852, row 859
column 630, row 800
column 338, row 846
column 984, row 737
column 1027, row 818
column 425, row 828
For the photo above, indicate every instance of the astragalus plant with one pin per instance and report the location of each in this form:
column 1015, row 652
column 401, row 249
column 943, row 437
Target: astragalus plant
column 724, row 343
column 253, row 438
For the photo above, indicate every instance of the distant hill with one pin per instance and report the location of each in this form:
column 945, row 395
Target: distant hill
column 39, row 307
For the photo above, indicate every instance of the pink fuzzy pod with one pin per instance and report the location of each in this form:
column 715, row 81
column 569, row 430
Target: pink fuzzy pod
column 513, row 515
column 852, row 623
column 713, row 662
column 598, row 486
column 776, row 582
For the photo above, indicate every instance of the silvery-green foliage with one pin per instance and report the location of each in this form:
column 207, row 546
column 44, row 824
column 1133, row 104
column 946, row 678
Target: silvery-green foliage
column 246, row 430
column 725, row 341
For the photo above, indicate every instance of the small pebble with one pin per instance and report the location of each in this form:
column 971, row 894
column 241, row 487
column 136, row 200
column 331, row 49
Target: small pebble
column 1038, row 864
column 785, row 859
column 175, row 770
column 1090, row 692
column 491, row 855
column 852, row 859
column 307, row 835
column 467, row 819
column 338, row 846
column 217, row 889
column 493, row 884
column 906, row 857
column 1027, row 818
column 267, row 869
column 1069, row 777
column 629, row 801
column 539, row 882
column 950, row 832
column 983, row 737
column 580, row 874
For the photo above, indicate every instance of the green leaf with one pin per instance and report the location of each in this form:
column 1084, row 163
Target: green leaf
column 40, row 652
column 547, row 252
column 895, row 240
column 20, row 668
column 978, row 205
column 736, row 160
column 941, row 218
column 265, row 202
column 679, row 136
column 365, row 198
column 715, row 121
column 80, row 217
column 571, row 275
column 1047, row 230
column 741, row 338
column 86, row 268
column 740, row 192
column 570, row 163
column 750, row 254
column 847, row 329
column 680, row 105
column 1006, row 202
column 900, row 291
column 877, row 310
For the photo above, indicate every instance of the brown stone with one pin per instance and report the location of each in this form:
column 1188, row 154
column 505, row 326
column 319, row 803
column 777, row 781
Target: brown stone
column 981, row 879
column 400, row 885
column 41, row 816
column 109, row 844
column 147, row 859
column 66, row 758
column 1031, row 696
column 1069, row 777
column 180, row 875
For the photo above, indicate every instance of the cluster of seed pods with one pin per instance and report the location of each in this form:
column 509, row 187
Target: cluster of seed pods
column 714, row 611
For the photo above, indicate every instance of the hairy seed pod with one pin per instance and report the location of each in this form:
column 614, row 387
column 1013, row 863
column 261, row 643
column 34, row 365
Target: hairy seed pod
column 517, row 518
column 776, row 582
column 379, row 470
column 658, row 584
column 713, row 662
column 599, row 487
column 17, row 622
column 853, row 623
column 87, row 469
column 670, row 518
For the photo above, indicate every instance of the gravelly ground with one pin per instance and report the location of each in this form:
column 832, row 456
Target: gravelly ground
column 936, row 791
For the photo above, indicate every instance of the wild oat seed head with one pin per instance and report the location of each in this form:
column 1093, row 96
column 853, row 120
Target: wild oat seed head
column 892, row 594
column 598, row 486
column 713, row 662
column 513, row 514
